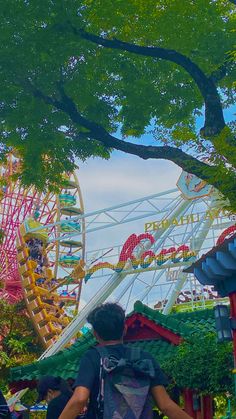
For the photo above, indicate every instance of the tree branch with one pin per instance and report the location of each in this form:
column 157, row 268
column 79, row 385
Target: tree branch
column 222, row 71
column 176, row 155
column 214, row 118
column 97, row 132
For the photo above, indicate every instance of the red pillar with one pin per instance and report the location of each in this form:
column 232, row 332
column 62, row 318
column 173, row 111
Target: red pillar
column 188, row 402
column 207, row 406
column 232, row 298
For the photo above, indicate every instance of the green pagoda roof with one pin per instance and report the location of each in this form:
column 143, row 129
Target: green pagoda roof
column 66, row 362
column 184, row 324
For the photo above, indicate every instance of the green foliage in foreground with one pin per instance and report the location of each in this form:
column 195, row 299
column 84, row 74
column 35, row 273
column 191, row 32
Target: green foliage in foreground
column 19, row 344
column 204, row 365
column 74, row 73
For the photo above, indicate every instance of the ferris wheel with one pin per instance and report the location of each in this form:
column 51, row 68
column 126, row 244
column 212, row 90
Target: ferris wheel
column 150, row 264
column 47, row 276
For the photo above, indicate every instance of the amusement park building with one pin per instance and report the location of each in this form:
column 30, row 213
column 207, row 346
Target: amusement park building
column 147, row 328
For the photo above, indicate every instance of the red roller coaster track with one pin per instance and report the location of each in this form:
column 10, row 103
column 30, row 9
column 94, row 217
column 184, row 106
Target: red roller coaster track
column 17, row 203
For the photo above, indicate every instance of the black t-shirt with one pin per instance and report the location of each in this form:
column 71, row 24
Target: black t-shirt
column 88, row 375
column 57, row 405
column 4, row 410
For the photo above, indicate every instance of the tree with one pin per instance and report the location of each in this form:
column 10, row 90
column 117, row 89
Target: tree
column 73, row 74
column 202, row 357
column 18, row 341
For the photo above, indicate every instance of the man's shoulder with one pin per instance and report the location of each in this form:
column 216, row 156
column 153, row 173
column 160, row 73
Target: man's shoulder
column 91, row 351
column 57, row 403
column 90, row 355
column 61, row 399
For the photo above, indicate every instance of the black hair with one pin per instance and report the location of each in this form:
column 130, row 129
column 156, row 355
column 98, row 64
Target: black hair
column 108, row 321
column 49, row 382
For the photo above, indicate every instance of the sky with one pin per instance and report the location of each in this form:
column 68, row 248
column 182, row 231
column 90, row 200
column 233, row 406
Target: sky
column 123, row 178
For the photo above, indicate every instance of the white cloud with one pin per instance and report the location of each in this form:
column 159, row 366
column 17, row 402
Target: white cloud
column 123, row 178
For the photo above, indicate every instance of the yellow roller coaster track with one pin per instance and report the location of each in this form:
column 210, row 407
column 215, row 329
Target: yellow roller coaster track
column 42, row 302
column 39, row 281
column 43, row 306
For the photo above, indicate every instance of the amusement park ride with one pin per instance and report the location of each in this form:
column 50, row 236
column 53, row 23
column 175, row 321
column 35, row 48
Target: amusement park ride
column 43, row 253
column 30, row 267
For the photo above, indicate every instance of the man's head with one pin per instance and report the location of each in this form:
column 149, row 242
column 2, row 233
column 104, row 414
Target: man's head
column 50, row 387
column 108, row 321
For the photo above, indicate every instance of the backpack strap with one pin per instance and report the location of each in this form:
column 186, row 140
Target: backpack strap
column 106, row 355
column 103, row 352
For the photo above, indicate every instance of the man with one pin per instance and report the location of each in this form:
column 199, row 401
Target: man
column 56, row 392
column 108, row 321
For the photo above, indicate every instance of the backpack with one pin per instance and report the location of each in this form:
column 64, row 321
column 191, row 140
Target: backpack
column 124, row 385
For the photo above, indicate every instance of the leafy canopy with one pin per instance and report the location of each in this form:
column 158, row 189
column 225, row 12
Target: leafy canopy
column 203, row 357
column 18, row 341
column 74, row 73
